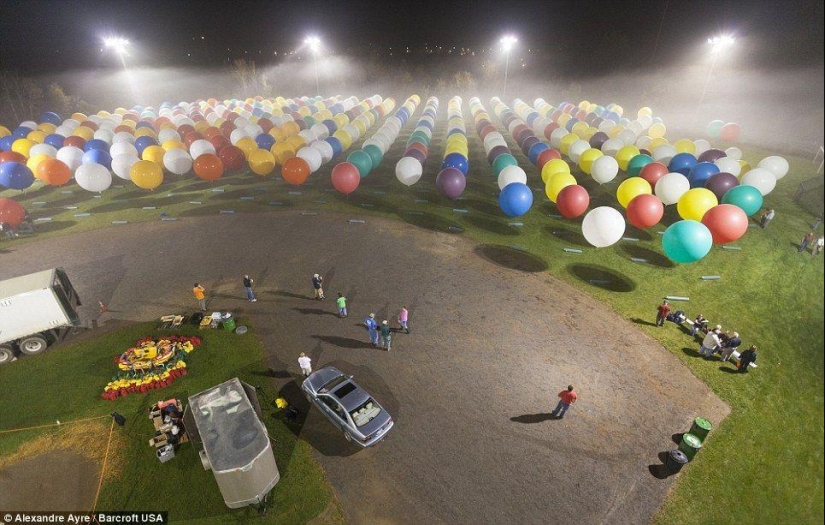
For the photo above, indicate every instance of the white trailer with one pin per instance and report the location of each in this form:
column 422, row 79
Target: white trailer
column 34, row 310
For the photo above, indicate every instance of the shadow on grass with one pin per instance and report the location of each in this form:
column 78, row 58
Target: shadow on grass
column 482, row 206
column 533, row 418
column 642, row 235
column 728, row 370
column 691, row 352
column 314, row 311
column 118, row 206
column 653, row 258
column 568, row 236
column 234, row 195
column 511, row 258
column 54, row 226
column 491, row 225
column 642, row 322
column 602, row 277
column 70, row 200
column 429, row 221
column 202, row 211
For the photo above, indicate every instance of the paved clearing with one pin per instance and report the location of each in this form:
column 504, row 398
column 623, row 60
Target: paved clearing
column 494, row 338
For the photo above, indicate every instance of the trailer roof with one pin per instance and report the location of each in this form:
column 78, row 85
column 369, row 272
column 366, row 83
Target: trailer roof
column 26, row 283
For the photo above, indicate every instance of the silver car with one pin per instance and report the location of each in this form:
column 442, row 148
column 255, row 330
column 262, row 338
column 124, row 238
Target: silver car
column 348, row 406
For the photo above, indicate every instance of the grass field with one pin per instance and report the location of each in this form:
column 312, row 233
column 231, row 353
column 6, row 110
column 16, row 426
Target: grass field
column 766, row 460
column 66, row 385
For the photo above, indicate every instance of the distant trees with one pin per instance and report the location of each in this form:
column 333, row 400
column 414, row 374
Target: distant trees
column 24, row 99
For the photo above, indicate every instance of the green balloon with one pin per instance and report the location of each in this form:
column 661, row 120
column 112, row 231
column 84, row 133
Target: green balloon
column 714, row 127
column 749, row 198
column 502, row 161
column 309, row 121
column 687, row 241
column 362, row 161
column 375, row 154
column 419, row 136
column 637, row 163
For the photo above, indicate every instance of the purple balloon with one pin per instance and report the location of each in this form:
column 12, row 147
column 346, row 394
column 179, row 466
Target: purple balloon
column 495, row 152
column 528, row 143
column 524, row 135
column 598, row 138
column 416, row 154
column 720, row 183
column 450, row 183
column 712, row 155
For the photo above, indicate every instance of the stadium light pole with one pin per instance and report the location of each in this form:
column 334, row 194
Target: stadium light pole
column 507, row 44
column 119, row 46
column 314, row 44
column 718, row 45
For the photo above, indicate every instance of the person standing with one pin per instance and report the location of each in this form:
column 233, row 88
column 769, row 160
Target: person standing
column 372, row 328
column 403, row 319
column 305, row 363
column 730, row 346
column 662, row 312
column 818, row 245
column 746, row 358
column 317, row 284
column 342, row 305
column 200, row 295
column 566, row 398
column 710, row 343
column 247, row 285
column 386, row 335
column 806, row 241
column 698, row 324
column 817, row 222
column 767, row 217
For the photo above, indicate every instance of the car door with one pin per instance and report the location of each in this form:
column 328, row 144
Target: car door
column 334, row 411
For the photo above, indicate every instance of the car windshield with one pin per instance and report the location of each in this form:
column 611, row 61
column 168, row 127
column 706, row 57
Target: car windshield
column 333, row 383
column 365, row 413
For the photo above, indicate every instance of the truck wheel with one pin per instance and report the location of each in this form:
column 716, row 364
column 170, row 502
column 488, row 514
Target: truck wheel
column 33, row 345
column 6, row 354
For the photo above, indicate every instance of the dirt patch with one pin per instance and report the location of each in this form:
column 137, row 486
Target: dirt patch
column 56, row 480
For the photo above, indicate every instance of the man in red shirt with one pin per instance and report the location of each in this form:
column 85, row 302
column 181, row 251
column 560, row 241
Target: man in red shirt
column 566, row 398
column 664, row 309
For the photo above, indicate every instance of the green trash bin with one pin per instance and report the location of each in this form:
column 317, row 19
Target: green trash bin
column 701, row 428
column 690, row 445
column 229, row 324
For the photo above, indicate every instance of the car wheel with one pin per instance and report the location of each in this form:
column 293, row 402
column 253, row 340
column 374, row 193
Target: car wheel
column 6, row 355
column 33, row 345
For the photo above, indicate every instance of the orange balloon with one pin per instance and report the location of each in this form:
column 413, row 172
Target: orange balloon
column 295, row 171
column 208, row 167
column 53, row 172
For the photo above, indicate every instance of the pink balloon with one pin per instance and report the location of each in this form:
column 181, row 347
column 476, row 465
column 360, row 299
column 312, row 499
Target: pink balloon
column 345, row 178
column 726, row 223
column 645, row 211
column 572, row 201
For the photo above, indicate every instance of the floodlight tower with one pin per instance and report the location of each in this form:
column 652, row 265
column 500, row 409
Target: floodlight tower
column 507, row 44
column 120, row 46
column 717, row 45
column 314, row 44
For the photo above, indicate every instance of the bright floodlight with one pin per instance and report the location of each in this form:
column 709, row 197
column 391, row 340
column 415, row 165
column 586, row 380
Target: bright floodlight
column 313, row 42
column 508, row 42
column 118, row 44
column 719, row 42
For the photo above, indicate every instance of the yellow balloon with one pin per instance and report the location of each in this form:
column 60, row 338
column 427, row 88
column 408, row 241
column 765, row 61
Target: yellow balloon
column 247, row 145
column 584, row 104
column 146, row 174
column 457, row 138
column 278, row 134
column 290, row 128
column 656, row 131
column 84, row 132
column 556, row 183
column 360, row 126
column 261, row 162
column 618, row 110
column 344, row 137
column 655, row 143
column 4, row 131
column 283, row 151
column 580, row 128
column 154, row 154
column 694, row 203
column 563, row 118
column 47, row 127
column 144, row 132
column 685, row 146
column 455, row 148
column 341, row 120
column 200, row 126
column 632, row 188
column 297, row 142
column 80, row 117
column 587, row 158
column 592, row 107
column 173, row 144
column 304, row 111
column 645, row 111
column 590, row 132
column 615, row 130
column 34, row 161
column 745, row 167
column 23, row 146
column 566, row 141
column 552, row 167
column 624, row 155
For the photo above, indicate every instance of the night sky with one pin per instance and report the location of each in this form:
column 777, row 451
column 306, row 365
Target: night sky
column 39, row 37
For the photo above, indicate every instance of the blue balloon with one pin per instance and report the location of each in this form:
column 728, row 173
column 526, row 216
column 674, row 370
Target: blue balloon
column 532, row 118
column 15, row 176
column 687, row 241
column 535, row 150
column 570, row 123
column 454, row 131
column 331, row 125
column 97, row 156
column 682, row 163
column 51, row 117
column 144, row 124
column 457, row 161
column 144, row 142
column 427, row 124
column 6, row 142
column 96, row 144
column 265, row 141
column 54, row 140
column 257, row 111
column 515, row 199
column 337, row 147
column 21, row 132
column 701, row 172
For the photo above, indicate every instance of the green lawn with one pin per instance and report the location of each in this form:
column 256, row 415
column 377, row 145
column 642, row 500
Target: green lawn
column 65, row 384
column 764, row 463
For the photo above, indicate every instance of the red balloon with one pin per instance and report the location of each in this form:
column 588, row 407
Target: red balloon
column 572, row 201
column 550, row 128
column 295, row 171
column 652, row 172
column 208, row 167
column 726, row 223
column 546, row 156
column 210, row 132
column 185, row 129
column 74, row 140
column 232, row 157
column 11, row 212
column 191, row 137
column 220, row 142
column 345, row 178
column 12, row 156
column 415, row 145
column 645, row 210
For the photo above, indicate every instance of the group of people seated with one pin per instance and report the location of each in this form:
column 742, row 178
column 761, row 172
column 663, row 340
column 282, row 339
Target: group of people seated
column 715, row 340
column 168, row 421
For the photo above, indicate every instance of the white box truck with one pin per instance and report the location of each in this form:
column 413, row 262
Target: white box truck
column 34, row 310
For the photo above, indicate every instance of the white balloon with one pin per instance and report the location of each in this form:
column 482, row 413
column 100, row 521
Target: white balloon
column 32, row 125
column 122, row 136
column 603, row 226
column 236, row 135
column 734, row 153
column 71, row 123
column 307, row 135
column 636, row 127
column 555, row 137
column 320, row 131
column 576, row 149
column 729, row 165
column 253, row 130
column 664, row 153
column 199, row 147
column 240, row 123
column 177, row 161
column 408, row 171
column 495, row 136
column 93, row 177
column 776, row 165
column 539, row 125
column 104, row 134
column 43, row 149
column 71, row 156
column 168, row 134
column 646, row 121
column 63, row 131
column 489, row 145
column 670, row 187
column 643, row 142
column 612, row 146
column 122, row 148
column 511, row 174
column 312, row 156
column 604, row 169
column 122, row 164
column 323, row 147
column 355, row 134
column 425, row 130
column 701, row 146
column 761, row 178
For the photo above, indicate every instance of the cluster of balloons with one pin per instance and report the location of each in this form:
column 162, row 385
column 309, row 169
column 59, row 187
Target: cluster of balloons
column 409, row 169
column 452, row 179
column 346, row 176
column 727, row 132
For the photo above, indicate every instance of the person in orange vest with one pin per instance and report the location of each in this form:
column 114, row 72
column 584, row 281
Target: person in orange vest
column 566, row 398
column 200, row 295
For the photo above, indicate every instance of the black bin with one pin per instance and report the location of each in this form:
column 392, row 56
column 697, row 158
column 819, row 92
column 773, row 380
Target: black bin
column 676, row 459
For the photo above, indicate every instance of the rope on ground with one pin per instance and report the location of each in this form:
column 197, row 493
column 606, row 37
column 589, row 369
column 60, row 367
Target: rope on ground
column 53, row 424
column 103, row 468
